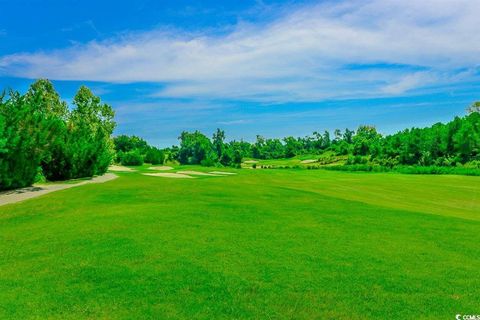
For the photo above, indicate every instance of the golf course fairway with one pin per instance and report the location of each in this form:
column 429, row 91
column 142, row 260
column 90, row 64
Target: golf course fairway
column 258, row 244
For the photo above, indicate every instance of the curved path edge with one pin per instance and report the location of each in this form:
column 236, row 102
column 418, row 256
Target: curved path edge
column 17, row 195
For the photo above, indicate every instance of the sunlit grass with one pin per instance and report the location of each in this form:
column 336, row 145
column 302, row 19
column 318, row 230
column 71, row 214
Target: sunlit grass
column 308, row 244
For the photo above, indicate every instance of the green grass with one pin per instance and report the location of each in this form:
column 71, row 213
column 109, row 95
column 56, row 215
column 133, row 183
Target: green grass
column 264, row 244
column 458, row 170
column 327, row 158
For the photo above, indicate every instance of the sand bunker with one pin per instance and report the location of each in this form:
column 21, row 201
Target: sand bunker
column 309, row 161
column 168, row 175
column 222, row 172
column 250, row 161
column 37, row 190
column 120, row 169
column 161, row 168
column 198, row 173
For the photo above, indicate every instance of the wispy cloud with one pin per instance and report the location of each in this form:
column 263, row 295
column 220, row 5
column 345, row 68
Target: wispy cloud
column 88, row 24
column 410, row 81
column 233, row 122
column 302, row 56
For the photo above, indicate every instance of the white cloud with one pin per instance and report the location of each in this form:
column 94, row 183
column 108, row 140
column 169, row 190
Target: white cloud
column 410, row 81
column 303, row 56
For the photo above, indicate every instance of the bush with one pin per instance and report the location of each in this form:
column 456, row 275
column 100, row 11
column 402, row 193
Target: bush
column 154, row 156
column 207, row 162
column 132, row 158
column 475, row 164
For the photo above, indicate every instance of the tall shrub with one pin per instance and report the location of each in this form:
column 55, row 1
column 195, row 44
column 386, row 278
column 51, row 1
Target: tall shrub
column 90, row 127
column 28, row 131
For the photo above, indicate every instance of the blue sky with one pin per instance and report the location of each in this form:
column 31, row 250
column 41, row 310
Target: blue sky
column 274, row 68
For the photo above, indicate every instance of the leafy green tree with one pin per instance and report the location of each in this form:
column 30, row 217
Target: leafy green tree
column 326, row 140
column 126, row 143
column 3, row 138
column 365, row 140
column 293, row 147
column 218, row 142
column 466, row 142
column 154, row 156
column 39, row 134
column 132, row 158
column 91, row 126
column 196, row 148
column 337, row 135
column 30, row 128
column 348, row 136
column 56, row 164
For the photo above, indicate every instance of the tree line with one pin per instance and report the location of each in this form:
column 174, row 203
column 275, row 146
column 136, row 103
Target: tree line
column 454, row 143
column 42, row 138
column 134, row 151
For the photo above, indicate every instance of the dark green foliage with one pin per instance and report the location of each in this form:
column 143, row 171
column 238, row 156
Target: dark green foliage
column 366, row 141
column 83, row 147
column 30, row 126
column 268, row 148
column 136, row 146
column 154, row 156
column 456, row 142
column 38, row 134
column 451, row 144
column 131, row 158
column 196, row 148
column 171, row 154
column 57, row 163
column 91, row 125
column 126, row 143
column 3, row 138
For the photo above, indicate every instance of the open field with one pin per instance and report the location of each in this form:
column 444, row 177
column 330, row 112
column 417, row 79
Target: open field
column 262, row 244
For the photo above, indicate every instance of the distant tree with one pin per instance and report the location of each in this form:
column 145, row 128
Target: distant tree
column 257, row 148
column 348, row 135
column 338, row 135
column 365, row 140
column 273, row 149
column 132, row 158
column 196, row 148
column 218, row 141
column 154, row 156
column 318, row 143
column 326, row 140
column 126, row 143
column 171, row 154
column 293, row 147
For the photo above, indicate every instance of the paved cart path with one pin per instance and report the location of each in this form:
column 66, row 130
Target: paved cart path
column 17, row 195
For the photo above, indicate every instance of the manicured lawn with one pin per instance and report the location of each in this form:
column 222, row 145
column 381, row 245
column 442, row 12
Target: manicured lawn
column 263, row 244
